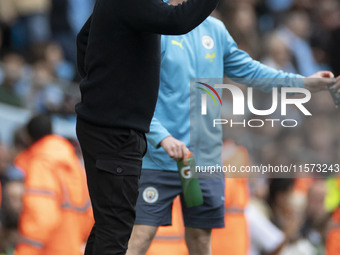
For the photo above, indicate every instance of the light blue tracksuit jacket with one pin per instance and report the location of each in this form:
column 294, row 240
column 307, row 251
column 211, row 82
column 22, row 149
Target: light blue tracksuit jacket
column 208, row 51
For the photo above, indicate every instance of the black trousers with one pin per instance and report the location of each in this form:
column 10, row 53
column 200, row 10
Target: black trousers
column 113, row 161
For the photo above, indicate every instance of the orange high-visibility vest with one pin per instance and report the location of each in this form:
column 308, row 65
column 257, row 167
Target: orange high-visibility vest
column 234, row 238
column 333, row 237
column 57, row 214
column 169, row 240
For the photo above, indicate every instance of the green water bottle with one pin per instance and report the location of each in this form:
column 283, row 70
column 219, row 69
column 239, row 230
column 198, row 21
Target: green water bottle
column 191, row 187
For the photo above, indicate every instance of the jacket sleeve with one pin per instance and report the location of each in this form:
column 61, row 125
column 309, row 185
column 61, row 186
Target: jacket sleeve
column 41, row 211
column 238, row 64
column 82, row 39
column 155, row 16
column 157, row 133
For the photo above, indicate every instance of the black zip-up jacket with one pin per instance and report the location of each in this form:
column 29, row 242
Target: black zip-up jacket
column 119, row 57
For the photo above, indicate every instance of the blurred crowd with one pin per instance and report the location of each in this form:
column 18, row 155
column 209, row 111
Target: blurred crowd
column 38, row 53
column 300, row 36
column 38, row 73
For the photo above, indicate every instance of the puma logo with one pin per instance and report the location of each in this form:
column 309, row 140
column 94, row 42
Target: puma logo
column 180, row 44
column 210, row 56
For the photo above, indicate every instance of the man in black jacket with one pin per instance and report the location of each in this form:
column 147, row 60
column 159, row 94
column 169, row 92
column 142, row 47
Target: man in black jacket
column 119, row 62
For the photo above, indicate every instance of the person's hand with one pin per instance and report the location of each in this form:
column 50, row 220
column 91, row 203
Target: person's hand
column 319, row 81
column 176, row 149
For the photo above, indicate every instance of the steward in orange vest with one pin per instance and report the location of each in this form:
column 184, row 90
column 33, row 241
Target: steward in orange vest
column 234, row 238
column 169, row 240
column 333, row 238
column 57, row 215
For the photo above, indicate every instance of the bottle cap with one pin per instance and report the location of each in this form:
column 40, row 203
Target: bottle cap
column 190, row 154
